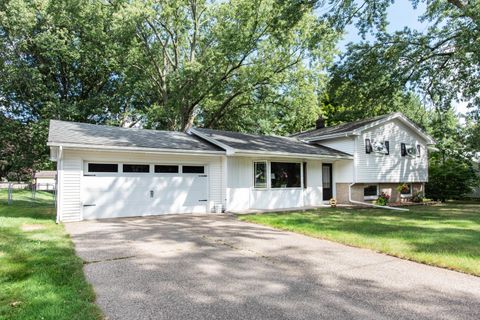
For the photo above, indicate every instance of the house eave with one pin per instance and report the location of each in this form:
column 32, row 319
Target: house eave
column 290, row 155
column 91, row 147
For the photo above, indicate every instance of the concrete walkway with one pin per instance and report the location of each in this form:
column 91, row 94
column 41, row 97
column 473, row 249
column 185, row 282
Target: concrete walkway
column 215, row 267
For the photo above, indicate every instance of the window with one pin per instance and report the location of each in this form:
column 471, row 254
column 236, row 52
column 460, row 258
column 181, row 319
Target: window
column 102, row 167
column 368, row 146
column 137, row 168
column 380, row 147
column 418, row 151
column 285, row 175
column 408, row 150
column 193, row 169
column 377, row 146
column 411, row 150
column 166, row 169
column 260, row 174
column 406, row 189
column 370, row 192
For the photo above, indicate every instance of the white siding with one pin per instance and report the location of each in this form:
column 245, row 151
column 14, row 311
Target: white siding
column 73, row 166
column 313, row 191
column 243, row 196
column 343, row 171
column 391, row 168
column 239, row 183
column 345, row 144
column 70, row 174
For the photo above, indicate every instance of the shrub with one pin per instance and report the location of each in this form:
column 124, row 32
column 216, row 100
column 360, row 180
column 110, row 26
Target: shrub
column 383, row 199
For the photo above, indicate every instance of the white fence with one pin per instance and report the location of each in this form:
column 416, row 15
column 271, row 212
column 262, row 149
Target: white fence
column 18, row 185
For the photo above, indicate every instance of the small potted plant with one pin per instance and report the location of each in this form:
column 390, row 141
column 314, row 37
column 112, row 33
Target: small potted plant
column 403, row 188
column 383, row 199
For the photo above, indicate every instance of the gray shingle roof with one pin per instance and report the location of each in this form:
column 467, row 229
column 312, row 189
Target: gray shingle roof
column 100, row 135
column 244, row 142
column 341, row 128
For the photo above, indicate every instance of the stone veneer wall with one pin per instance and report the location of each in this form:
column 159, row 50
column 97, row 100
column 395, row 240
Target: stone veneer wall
column 388, row 188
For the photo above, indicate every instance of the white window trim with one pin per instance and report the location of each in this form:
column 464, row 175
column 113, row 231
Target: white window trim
column 411, row 156
column 152, row 169
column 407, row 195
column 87, row 172
column 267, row 175
column 180, row 168
column 375, row 153
column 372, row 197
column 268, row 167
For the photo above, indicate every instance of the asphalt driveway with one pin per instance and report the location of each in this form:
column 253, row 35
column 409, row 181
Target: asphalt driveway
column 216, row 267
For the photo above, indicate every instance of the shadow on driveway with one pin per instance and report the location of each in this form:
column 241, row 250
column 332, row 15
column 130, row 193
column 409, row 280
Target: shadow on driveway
column 216, row 267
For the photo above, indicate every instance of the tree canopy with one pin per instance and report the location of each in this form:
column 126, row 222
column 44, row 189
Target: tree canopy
column 263, row 66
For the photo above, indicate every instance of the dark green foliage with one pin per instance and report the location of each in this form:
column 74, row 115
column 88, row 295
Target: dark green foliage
column 450, row 178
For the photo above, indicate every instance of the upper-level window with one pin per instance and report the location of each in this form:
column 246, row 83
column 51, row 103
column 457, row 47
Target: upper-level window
column 285, row 175
column 260, row 174
column 137, row 168
column 102, row 167
column 377, row 146
column 408, row 150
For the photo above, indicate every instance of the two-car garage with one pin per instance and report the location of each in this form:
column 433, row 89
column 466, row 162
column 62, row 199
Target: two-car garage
column 126, row 189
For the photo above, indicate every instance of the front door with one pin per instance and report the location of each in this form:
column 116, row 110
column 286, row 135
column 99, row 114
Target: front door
column 327, row 181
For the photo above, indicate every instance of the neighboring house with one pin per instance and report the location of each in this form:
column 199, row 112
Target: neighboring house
column 45, row 180
column 106, row 172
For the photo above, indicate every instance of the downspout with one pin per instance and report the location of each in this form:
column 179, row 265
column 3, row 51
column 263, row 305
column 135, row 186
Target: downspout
column 59, row 182
column 370, row 204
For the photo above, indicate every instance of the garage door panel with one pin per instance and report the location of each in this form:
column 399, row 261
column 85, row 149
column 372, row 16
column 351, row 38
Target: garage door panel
column 122, row 196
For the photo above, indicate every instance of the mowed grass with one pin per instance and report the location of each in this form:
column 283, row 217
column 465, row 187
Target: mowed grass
column 40, row 276
column 446, row 235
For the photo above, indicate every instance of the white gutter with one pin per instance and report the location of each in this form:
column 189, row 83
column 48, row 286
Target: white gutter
column 130, row 149
column 370, row 204
column 59, row 180
column 290, row 155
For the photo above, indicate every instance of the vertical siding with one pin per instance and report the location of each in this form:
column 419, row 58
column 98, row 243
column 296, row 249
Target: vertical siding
column 313, row 191
column 393, row 167
column 71, row 173
column 242, row 195
column 343, row 171
column 239, row 183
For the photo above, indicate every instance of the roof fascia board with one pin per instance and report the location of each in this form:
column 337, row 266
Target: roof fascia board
column 130, row 149
column 289, row 155
column 229, row 150
column 402, row 118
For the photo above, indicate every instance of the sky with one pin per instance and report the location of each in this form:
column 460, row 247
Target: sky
column 400, row 15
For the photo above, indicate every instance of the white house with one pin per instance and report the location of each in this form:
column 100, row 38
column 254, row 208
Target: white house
column 106, row 172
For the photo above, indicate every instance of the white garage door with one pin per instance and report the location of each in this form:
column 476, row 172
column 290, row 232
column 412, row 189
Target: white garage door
column 126, row 194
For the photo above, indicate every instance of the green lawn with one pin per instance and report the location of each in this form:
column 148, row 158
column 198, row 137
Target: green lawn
column 445, row 235
column 40, row 276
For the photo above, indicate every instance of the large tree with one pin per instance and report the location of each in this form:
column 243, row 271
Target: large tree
column 222, row 64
